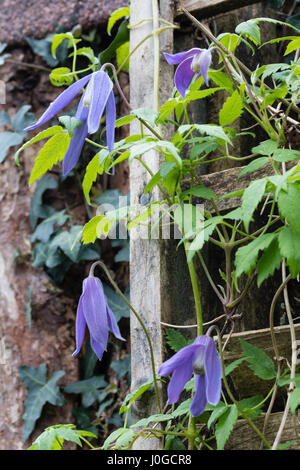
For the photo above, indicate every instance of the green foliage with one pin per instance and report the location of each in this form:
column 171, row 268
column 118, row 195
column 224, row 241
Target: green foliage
column 175, row 339
column 39, row 392
column 54, row 436
column 259, row 362
column 90, row 389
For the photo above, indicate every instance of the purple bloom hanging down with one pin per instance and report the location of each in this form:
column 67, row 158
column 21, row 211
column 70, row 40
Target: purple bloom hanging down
column 97, row 95
column 94, row 312
column 200, row 358
column 192, row 62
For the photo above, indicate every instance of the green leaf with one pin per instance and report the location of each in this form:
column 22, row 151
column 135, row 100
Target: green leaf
column 115, row 16
column 295, row 400
column 254, row 166
column 270, row 261
column 289, row 205
column 259, row 362
column 231, row 367
column 39, row 391
column 246, row 256
column 61, row 76
column 208, row 129
column 70, row 123
column 225, row 426
column 89, row 233
column 132, row 397
column 175, row 339
column 251, row 198
column 222, row 80
column 93, row 169
column 289, row 245
column 200, row 191
column 115, row 302
column 249, row 29
column 40, row 136
column 38, row 210
column 219, row 409
column 57, row 40
column 286, row 155
column 265, row 148
column 121, row 37
column 42, row 47
column 54, row 436
column 9, row 139
column 231, row 109
column 122, row 56
column 121, row 366
column 146, row 114
column 45, row 229
column 50, row 154
column 89, row 389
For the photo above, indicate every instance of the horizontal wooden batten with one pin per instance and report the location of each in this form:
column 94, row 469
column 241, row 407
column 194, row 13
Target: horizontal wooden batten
column 243, row 378
column 206, row 9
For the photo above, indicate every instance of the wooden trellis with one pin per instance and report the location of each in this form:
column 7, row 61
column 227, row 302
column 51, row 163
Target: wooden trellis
column 154, row 292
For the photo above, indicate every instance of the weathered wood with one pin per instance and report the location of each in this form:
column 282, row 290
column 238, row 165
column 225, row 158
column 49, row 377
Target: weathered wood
column 244, row 380
column 244, row 438
column 205, row 9
column 148, row 277
column 227, row 181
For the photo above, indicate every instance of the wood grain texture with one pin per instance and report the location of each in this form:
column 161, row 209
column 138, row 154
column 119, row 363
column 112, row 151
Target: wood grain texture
column 244, row 380
column 205, row 9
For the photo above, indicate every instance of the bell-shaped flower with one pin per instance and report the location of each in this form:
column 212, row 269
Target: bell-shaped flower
column 97, row 96
column 200, row 358
column 192, row 62
column 93, row 311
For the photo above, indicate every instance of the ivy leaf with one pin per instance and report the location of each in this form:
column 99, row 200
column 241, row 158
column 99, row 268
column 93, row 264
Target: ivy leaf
column 225, row 425
column 51, row 153
column 116, row 303
column 42, row 47
column 38, row 210
column 121, row 366
column 9, row 139
column 45, row 229
column 231, row 109
column 259, row 362
column 246, row 256
column 39, row 391
column 251, row 198
column 89, row 389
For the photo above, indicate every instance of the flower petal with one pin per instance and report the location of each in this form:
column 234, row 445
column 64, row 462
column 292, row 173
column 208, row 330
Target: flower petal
column 213, row 373
column 174, row 59
column 184, row 355
column 110, row 121
column 101, row 87
column 113, row 325
column 97, row 348
column 94, row 308
column 199, row 401
column 184, row 76
column 204, row 65
column 179, row 378
column 61, row 101
column 80, row 327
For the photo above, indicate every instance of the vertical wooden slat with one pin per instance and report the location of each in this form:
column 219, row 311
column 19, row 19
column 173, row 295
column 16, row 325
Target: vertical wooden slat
column 148, row 277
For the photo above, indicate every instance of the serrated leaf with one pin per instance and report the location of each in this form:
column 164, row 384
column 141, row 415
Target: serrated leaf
column 175, row 339
column 93, row 169
column 289, row 205
column 231, row 367
column 122, row 56
column 225, row 426
column 208, row 129
column 254, row 166
column 246, row 256
column 286, row 155
column 250, row 29
column 265, row 148
column 252, row 196
column 295, row 400
column 289, row 245
column 57, row 40
column 54, row 436
column 259, row 362
column 231, row 109
column 40, row 136
column 270, row 261
column 39, row 391
column 50, row 154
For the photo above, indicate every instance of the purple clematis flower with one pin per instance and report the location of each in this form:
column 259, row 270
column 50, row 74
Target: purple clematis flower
column 200, row 358
column 94, row 312
column 97, row 95
column 192, row 62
